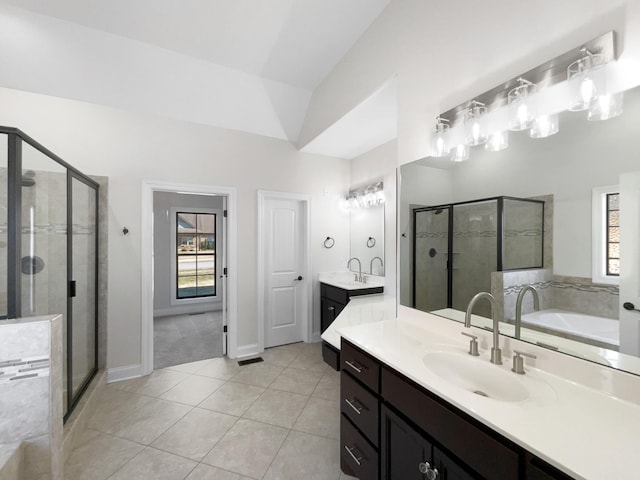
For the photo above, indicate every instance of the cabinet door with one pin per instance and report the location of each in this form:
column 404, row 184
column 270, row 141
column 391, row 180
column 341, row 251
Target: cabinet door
column 402, row 450
column 449, row 469
column 329, row 312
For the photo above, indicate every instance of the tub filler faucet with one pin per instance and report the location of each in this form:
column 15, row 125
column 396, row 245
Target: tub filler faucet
column 536, row 306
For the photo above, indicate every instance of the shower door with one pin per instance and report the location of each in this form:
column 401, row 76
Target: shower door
column 82, row 254
column 431, row 258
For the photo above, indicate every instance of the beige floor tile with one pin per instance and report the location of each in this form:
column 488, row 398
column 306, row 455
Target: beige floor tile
column 260, row 374
column 190, row 368
column 207, row 472
column 305, row 456
column 98, row 456
column 247, row 448
column 112, row 405
column 310, row 358
column 222, row 368
column 147, row 423
column 329, row 386
column 193, row 390
column 155, row 464
column 320, row 417
column 153, row 385
column 277, row 408
column 232, row 398
column 296, row 381
column 282, row 355
column 195, row 434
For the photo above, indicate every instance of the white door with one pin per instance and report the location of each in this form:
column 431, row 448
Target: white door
column 223, row 275
column 285, row 296
column 630, row 263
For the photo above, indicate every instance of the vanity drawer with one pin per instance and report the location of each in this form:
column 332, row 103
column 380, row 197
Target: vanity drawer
column 336, row 294
column 357, row 457
column 472, row 444
column 360, row 365
column 360, row 406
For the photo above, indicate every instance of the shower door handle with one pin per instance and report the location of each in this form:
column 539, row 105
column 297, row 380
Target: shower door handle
column 72, row 288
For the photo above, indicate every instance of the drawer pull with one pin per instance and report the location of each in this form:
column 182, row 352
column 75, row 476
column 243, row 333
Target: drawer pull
column 350, row 452
column 356, row 367
column 352, row 403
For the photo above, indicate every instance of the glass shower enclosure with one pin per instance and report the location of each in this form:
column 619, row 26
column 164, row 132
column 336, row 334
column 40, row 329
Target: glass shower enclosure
column 49, row 250
column 457, row 246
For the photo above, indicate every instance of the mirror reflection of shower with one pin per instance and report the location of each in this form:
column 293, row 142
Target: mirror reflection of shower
column 29, row 181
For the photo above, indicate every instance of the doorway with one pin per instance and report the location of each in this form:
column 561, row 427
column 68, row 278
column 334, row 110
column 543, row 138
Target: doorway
column 189, row 263
column 188, row 279
column 284, row 283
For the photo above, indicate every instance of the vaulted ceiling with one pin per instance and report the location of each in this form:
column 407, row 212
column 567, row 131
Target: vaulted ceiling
column 284, row 47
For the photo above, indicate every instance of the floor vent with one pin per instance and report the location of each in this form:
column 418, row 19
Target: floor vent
column 250, row 360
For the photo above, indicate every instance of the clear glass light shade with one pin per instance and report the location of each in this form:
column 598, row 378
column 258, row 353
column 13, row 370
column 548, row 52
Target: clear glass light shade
column 439, row 143
column 460, row 153
column 605, row 107
column 545, row 126
column 521, row 111
column 475, row 132
column 497, row 141
column 585, row 78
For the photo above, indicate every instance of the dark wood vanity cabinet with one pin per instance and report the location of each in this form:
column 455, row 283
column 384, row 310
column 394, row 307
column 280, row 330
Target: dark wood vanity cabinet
column 410, row 433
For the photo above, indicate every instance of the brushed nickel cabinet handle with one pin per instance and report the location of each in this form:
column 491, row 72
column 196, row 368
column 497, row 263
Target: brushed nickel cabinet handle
column 350, row 452
column 352, row 403
column 354, row 366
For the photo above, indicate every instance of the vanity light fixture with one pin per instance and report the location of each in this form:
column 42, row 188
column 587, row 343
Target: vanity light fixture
column 605, row 107
column 545, row 126
column 521, row 116
column 439, row 143
column 585, row 78
column 460, row 153
column 497, row 141
column 474, row 128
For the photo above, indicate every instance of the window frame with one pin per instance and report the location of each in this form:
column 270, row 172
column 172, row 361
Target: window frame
column 599, row 232
column 175, row 300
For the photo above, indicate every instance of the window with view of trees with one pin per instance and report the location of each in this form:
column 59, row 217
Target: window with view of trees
column 613, row 234
column 195, row 255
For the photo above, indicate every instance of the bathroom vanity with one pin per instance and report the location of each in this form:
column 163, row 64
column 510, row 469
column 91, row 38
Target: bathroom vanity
column 413, row 402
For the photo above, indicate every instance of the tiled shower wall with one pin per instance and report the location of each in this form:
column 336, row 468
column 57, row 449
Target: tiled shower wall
column 431, row 245
column 31, row 392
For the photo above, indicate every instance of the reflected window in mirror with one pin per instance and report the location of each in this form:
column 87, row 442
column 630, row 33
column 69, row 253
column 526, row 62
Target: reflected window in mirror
column 606, row 235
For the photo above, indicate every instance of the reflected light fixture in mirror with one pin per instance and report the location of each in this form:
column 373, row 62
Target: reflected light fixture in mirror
column 460, row 153
column 474, row 128
column 521, row 111
column 545, row 126
column 367, row 196
column 439, row 143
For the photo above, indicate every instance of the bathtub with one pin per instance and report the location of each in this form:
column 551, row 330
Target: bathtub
column 574, row 324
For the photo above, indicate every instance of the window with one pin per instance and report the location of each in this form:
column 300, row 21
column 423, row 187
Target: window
column 606, row 235
column 195, row 255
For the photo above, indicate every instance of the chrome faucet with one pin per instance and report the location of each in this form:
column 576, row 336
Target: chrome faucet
column 496, row 353
column 359, row 277
column 536, row 306
column 371, row 264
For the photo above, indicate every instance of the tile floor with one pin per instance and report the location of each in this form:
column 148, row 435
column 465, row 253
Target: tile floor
column 212, row 419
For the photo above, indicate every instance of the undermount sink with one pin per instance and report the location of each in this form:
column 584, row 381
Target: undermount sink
column 477, row 376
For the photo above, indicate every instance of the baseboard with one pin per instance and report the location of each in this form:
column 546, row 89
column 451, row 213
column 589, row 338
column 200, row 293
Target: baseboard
column 187, row 309
column 245, row 351
column 119, row 374
column 315, row 337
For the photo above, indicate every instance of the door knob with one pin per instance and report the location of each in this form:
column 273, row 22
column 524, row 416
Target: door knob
column 630, row 306
column 298, row 279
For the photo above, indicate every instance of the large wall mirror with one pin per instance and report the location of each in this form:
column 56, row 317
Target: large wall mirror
column 528, row 216
column 366, row 221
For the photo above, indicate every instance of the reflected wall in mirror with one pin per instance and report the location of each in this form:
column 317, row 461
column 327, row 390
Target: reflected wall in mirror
column 366, row 219
column 453, row 235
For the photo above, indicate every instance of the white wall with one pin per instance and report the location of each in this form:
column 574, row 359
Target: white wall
column 164, row 256
column 380, row 163
column 128, row 147
column 446, row 54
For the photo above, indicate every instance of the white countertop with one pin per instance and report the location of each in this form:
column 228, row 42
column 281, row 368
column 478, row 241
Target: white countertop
column 346, row 280
column 588, row 432
column 360, row 310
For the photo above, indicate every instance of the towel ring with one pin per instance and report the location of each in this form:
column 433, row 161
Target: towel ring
column 371, row 242
column 329, row 242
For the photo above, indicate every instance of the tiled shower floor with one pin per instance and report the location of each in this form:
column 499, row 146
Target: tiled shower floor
column 278, row 419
